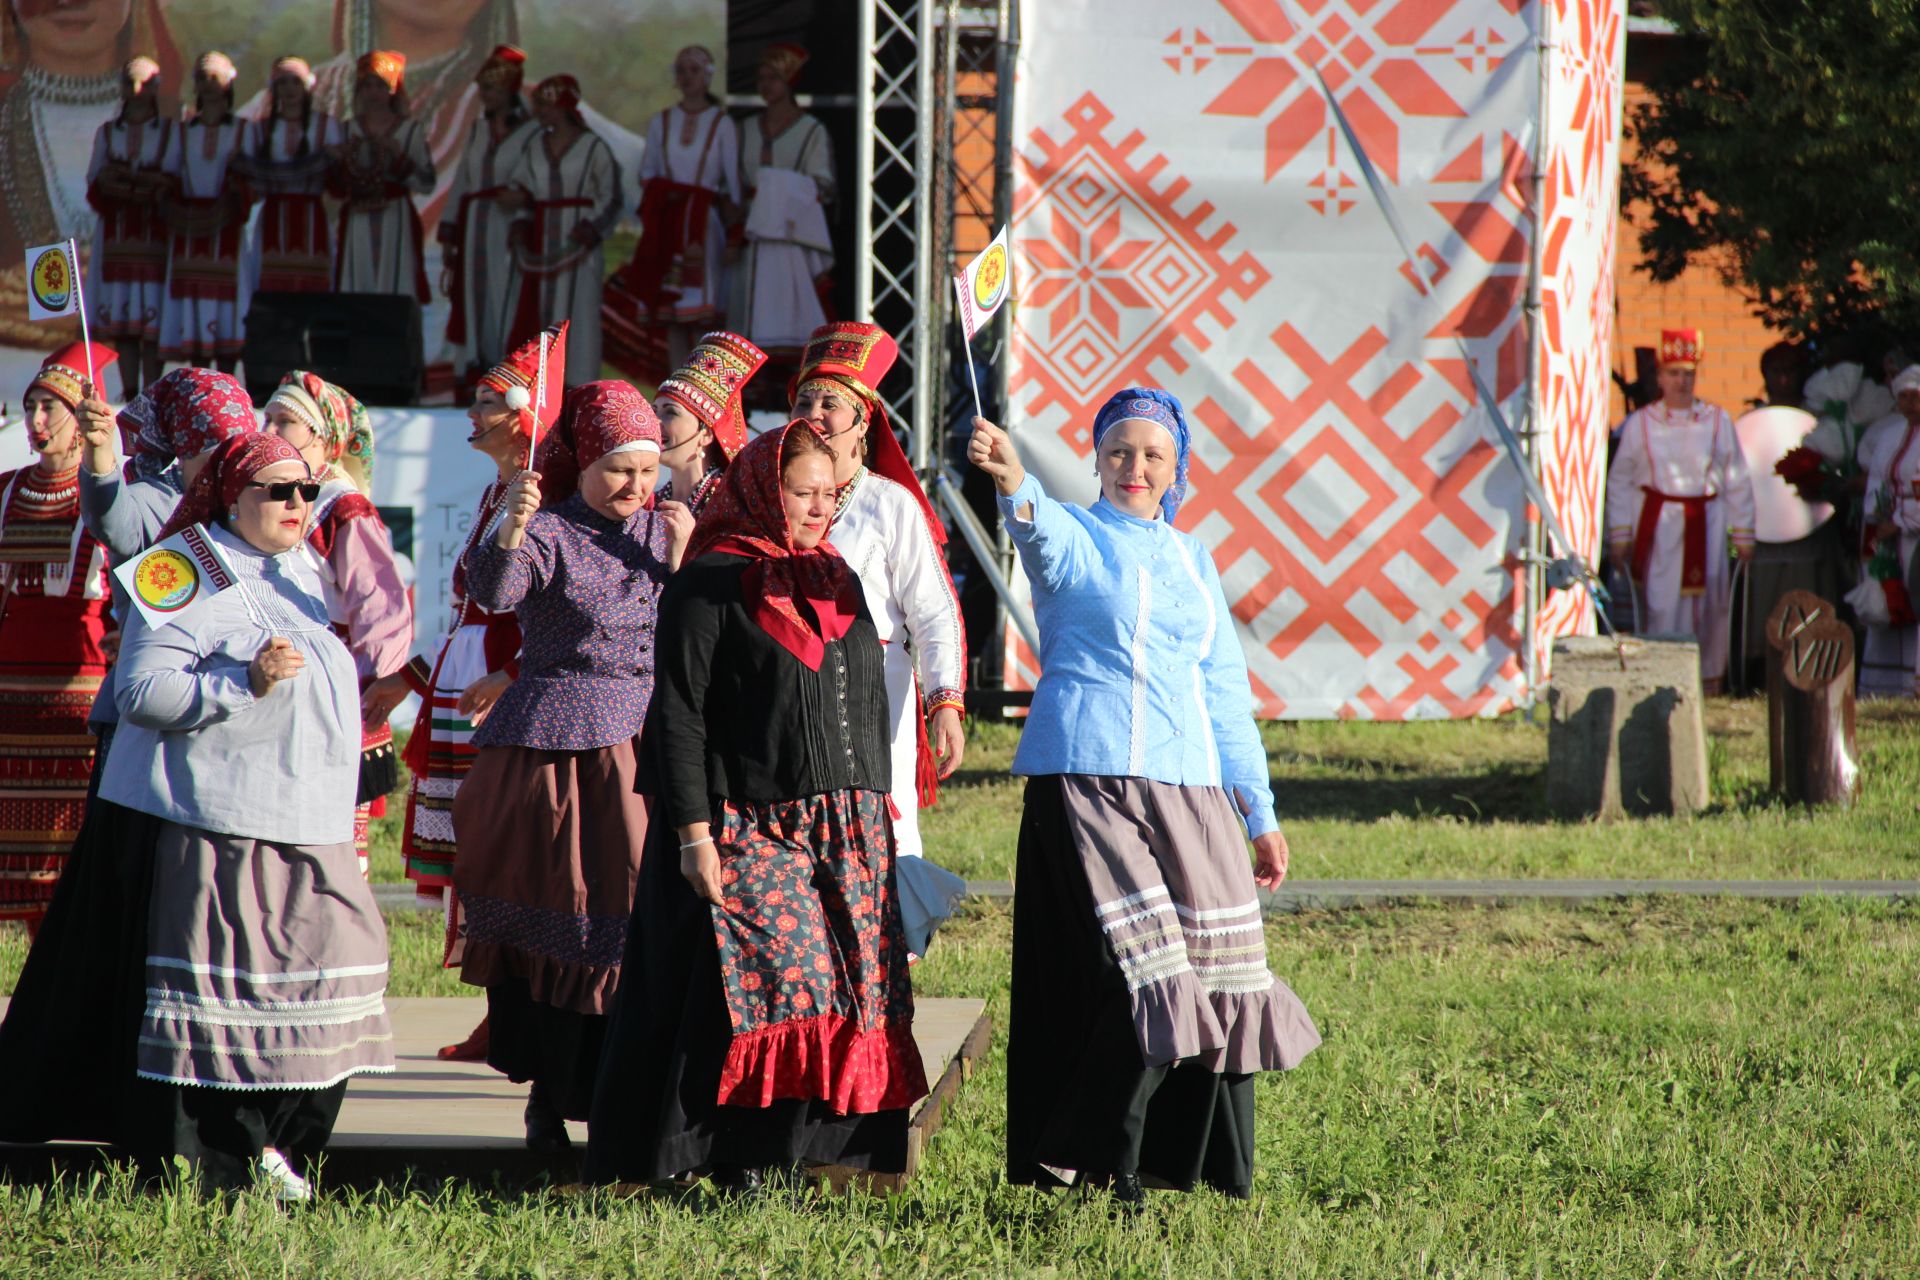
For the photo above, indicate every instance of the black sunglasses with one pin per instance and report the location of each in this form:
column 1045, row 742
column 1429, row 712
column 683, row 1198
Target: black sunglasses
column 283, row 491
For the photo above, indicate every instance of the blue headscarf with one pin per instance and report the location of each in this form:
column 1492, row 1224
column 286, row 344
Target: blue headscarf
column 1162, row 408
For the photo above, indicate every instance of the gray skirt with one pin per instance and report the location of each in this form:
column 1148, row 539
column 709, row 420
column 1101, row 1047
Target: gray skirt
column 266, row 965
column 1174, row 897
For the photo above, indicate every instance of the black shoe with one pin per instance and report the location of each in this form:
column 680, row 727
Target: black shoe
column 1125, row 1196
column 546, row 1127
column 739, row 1182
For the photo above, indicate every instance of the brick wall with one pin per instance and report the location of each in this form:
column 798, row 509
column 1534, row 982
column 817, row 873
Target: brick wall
column 1730, row 373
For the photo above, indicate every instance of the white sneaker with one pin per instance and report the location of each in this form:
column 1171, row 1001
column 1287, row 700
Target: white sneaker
column 283, row 1184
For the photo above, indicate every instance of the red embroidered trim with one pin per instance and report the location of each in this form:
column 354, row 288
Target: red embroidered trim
column 826, row 1059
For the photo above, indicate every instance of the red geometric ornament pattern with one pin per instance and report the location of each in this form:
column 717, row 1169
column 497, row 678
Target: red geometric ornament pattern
column 1189, row 217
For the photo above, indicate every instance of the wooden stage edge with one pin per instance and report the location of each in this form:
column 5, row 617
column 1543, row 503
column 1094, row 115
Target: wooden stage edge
column 433, row 1121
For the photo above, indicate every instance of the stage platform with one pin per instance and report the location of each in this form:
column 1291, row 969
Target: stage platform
column 432, row 1120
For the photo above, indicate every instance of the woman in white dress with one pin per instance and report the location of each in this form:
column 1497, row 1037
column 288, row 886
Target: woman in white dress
column 203, row 320
column 132, row 168
column 477, row 271
column 568, row 191
column 291, row 248
column 382, row 165
column 886, row 529
column 690, row 188
column 786, row 168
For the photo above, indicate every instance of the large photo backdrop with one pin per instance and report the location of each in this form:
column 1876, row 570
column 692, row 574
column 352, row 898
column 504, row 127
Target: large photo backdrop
column 59, row 65
column 1188, row 215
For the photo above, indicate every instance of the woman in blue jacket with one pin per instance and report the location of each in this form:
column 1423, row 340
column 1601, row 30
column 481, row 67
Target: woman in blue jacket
column 1142, row 1004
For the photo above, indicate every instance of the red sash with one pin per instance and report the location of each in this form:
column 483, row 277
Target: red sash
column 527, row 320
column 1693, row 562
column 457, row 291
column 673, row 216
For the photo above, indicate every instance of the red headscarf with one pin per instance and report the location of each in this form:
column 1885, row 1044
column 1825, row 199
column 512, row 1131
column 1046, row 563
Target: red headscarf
column 234, row 462
column 597, row 418
column 745, row 517
column 183, row 415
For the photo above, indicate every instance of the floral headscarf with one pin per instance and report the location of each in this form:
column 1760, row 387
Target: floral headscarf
column 235, row 461
column 184, row 414
column 598, row 418
column 1162, row 408
column 338, row 421
column 745, row 517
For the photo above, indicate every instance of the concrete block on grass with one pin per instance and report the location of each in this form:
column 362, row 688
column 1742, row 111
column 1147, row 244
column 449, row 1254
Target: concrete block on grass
column 1626, row 742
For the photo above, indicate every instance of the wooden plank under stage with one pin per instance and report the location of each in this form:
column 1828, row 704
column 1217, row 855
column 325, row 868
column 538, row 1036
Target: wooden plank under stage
column 433, row 1120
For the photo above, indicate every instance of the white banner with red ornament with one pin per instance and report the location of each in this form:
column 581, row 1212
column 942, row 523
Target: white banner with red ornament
column 1188, row 215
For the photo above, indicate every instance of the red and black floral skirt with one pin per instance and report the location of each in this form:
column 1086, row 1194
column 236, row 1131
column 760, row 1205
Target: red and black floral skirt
column 813, row 956
column 774, row 1029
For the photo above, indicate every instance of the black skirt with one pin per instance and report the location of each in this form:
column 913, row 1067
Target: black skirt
column 655, row 1109
column 1080, row 1099
column 67, row 1045
column 557, row 1049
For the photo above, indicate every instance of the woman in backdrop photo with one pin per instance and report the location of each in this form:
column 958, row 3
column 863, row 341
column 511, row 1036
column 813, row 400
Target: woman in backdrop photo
column 383, row 164
column 786, row 172
column 291, row 248
column 135, row 165
column 460, row 676
column 266, row 954
column 703, row 423
column 366, row 594
column 566, row 197
column 690, row 187
column 550, row 825
column 204, row 318
column 765, row 1016
column 1142, row 1004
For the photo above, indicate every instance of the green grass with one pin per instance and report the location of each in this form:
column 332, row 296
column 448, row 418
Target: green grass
column 1466, row 799
column 1660, row 1088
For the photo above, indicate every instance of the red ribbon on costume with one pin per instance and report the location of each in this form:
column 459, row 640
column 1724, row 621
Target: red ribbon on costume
column 670, row 214
column 527, row 317
column 457, row 294
column 1693, row 561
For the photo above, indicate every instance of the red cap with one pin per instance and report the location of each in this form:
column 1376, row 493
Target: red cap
column 518, row 378
column 65, row 371
column 1681, row 348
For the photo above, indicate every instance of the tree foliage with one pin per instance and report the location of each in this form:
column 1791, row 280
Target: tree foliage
column 1779, row 147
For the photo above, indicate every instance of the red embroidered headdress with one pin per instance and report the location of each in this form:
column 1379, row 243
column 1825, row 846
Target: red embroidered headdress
column 235, row 461
column 856, row 356
column 65, row 371
column 710, row 384
column 599, row 418
column 505, row 67
column 1681, row 348
column 517, row 379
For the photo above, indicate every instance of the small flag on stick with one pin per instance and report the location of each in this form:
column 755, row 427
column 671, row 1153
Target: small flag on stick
column 54, row 289
column 172, row 580
column 983, row 286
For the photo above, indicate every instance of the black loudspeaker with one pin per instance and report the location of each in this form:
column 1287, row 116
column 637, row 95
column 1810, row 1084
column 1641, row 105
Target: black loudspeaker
column 368, row 343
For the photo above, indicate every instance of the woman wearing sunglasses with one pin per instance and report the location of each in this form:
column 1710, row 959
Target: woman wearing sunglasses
column 366, row 597
column 68, row 1077
column 266, row 954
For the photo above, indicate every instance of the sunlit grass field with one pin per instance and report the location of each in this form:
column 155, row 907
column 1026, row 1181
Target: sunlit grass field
column 1664, row 1087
